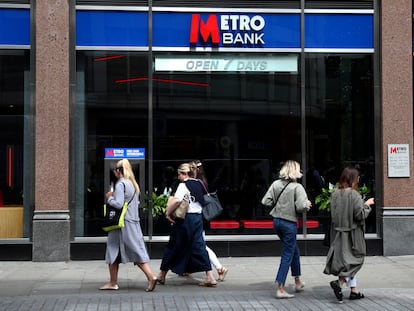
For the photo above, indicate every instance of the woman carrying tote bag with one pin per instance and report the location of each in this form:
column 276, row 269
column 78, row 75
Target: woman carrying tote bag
column 186, row 250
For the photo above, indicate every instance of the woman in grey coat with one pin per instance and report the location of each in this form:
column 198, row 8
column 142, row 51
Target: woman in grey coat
column 347, row 251
column 126, row 244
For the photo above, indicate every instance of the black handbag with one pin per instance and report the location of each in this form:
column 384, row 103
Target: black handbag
column 212, row 207
column 113, row 218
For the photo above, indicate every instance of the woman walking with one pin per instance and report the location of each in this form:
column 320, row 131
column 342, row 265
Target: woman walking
column 287, row 197
column 215, row 262
column 186, row 250
column 126, row 244
column 348, row 249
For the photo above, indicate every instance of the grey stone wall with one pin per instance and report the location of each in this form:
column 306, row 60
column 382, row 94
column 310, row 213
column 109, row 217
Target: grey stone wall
column 398, row 226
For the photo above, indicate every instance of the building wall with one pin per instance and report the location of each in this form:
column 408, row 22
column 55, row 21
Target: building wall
column 397, row 122
column 50, row 47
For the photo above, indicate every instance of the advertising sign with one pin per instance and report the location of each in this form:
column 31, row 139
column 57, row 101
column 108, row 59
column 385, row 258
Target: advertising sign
column 217, row 31
column 226, row 30
column 124, row 153
column 280, row 63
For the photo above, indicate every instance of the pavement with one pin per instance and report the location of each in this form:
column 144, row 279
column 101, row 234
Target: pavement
column 387, row 283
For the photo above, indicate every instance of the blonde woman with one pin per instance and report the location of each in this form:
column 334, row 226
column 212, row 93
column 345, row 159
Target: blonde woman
column 287, row 197
column 126, row 244
column 186, row 250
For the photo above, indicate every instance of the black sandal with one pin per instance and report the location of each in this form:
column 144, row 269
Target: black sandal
column 354, row 296
column 337, row 290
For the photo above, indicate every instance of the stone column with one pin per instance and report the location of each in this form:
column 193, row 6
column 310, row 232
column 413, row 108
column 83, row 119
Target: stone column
column 397, row 122
column 50, row 48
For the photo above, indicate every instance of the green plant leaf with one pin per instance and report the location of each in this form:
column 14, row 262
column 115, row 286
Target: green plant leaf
column 323, row 200
column 159, row 203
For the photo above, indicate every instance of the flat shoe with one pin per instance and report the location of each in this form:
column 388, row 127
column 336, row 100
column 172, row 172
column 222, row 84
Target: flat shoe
column 300, row 287
column 109, row 286
column 354, row 296
column 337, row 290
column 207, row 284
column 151, row 285
column 222, row 274
column 283, row 295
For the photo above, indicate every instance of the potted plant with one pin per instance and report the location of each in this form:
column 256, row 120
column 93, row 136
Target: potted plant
column 159, row 203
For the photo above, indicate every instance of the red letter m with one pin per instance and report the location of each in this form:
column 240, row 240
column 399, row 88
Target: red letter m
column 205, row 29
column 393, row 150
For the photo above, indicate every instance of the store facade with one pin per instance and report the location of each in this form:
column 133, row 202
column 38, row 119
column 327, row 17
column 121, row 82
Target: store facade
column 239, row 87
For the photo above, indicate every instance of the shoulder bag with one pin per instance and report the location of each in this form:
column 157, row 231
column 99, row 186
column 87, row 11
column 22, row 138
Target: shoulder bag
column 212, row 207
column 113, row 218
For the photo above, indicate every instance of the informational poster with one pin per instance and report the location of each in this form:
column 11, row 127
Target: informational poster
column 398, row 160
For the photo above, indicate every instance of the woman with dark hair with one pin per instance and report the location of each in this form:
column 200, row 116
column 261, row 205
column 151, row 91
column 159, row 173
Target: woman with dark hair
column 348, row 249
column 287, row 198
column 215, row 262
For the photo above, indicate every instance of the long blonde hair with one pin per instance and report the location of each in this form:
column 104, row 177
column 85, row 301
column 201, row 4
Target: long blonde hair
column 128, row 173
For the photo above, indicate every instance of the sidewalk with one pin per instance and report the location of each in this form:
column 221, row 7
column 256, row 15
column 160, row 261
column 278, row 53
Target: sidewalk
column 387, row 282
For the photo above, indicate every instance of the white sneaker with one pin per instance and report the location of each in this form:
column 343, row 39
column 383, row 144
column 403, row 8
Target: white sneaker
column 283, row 295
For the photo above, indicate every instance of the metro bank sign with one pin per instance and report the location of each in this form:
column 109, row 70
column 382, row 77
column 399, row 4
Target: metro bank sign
column 227, row 30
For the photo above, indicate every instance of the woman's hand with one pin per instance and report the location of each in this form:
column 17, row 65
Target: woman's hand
column 109, row 194
column 370, row 202
column 169, row 218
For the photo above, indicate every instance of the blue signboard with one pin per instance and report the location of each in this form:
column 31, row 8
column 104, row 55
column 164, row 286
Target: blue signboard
column 124, row 153
column 350, row 31
column 112, row 28
column 187, row 30
column 234, row 30
column 14, row 26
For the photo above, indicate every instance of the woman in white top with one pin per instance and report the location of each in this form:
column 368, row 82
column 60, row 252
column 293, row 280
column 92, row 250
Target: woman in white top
column 186, row 250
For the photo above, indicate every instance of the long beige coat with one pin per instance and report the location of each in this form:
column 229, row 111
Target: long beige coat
column 348, row 249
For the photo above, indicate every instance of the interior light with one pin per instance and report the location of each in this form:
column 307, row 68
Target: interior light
column 164, row 81
column 100, row 59
column 10, row 153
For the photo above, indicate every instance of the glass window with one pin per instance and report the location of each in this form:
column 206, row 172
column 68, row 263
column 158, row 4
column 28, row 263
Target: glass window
column 340, row 122
column 14, row 138
column 240, row 124
column 111, row 111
